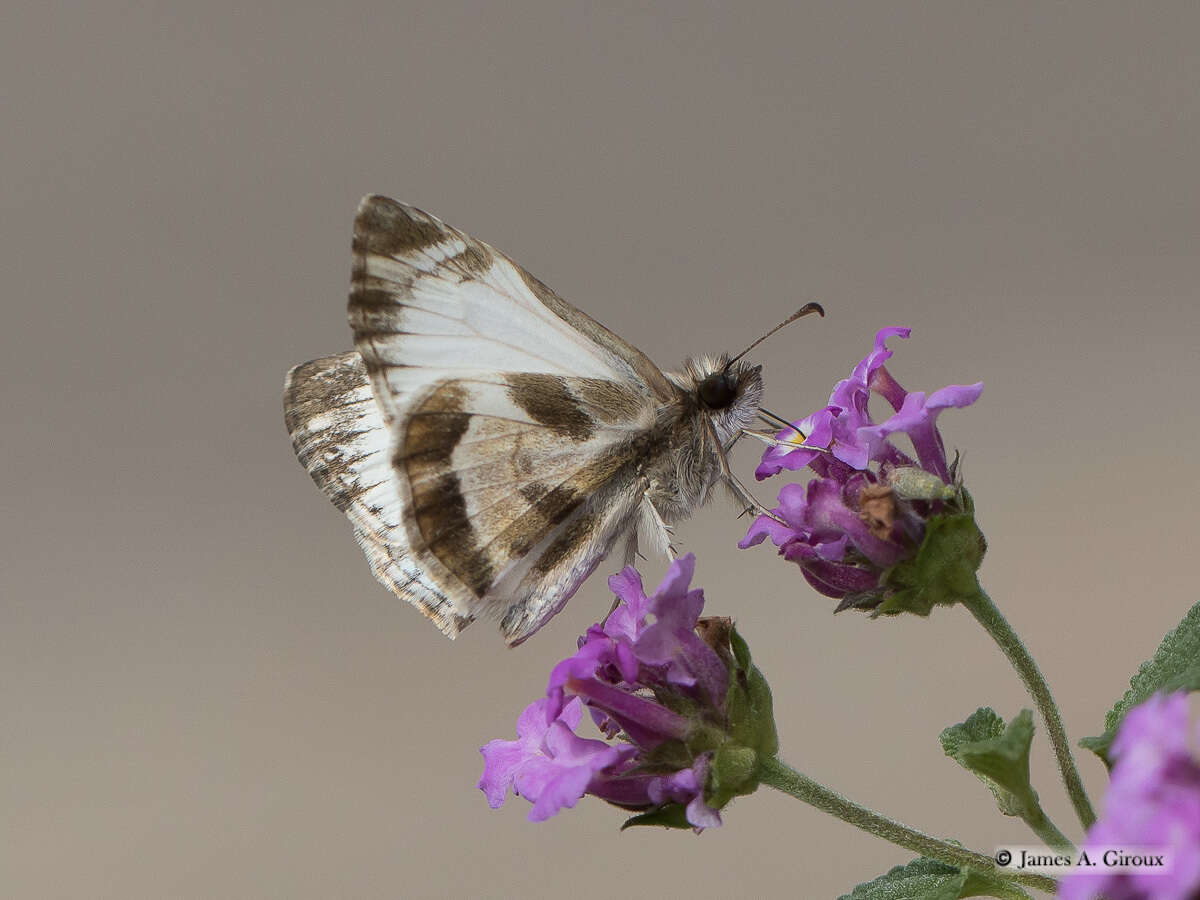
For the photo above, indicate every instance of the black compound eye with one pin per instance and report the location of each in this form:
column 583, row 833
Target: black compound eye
column 717, row 390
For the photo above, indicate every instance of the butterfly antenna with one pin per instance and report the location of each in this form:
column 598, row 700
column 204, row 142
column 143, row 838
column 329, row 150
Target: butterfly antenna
column 802, row 311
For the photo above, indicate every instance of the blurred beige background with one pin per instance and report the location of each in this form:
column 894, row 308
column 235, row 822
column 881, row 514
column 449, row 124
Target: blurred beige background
column 205, row 694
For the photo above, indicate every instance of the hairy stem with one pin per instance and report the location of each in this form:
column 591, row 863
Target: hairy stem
column 781, row 776
column 994, row 623
column 1037, row 820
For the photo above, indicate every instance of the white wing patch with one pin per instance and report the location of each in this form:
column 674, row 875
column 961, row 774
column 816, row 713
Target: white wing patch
column 429, row 303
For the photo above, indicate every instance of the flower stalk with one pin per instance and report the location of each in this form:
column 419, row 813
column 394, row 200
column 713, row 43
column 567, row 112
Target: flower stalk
column 1043, row 827
column 994, row 623
column 779, row 775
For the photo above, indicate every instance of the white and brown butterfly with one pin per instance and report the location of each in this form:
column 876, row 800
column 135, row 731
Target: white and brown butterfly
column 490, row 443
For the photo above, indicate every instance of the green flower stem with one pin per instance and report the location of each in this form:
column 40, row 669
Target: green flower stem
column 986, row 613
column 1047, row 830
column 783, row 777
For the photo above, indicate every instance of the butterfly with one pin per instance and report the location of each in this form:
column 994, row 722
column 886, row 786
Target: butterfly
column 490, row 443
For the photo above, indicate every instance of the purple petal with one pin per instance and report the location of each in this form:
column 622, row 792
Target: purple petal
column 504, row 762
column 818, row 432
column 630, row 615
column 675, row 583
column 829, row 515
column 647, row 722
column 804, row 548
column 562, row 791
column 836, row 580
column 955, row 396
column 764, row 527
column 687, row 787
column 501, row 759
column 881, row 354
column 630, row 791
column 596, row 651
column 887, row 387
column 1153, row 801
column 917, row 417
column 700, row 815
column 1151, row 736
column 793, row 503
column 688, row 660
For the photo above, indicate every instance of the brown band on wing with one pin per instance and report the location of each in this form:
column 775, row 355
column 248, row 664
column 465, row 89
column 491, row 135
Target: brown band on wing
column 551, row 509
column 547, row 400
column 607, row 401
column 434, row 430
column 574, row 536
column 475, row 259
column 534, row 491
column 616, row 465
column 441, row 512
column 386, row 227
column 374, row 309
column 477, row 551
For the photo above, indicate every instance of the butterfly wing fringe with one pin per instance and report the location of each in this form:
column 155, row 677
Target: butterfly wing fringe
column 340, row 438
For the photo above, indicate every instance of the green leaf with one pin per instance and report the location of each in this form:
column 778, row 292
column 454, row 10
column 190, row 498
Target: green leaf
column 748, row 704
column 741, row 650
column 673, row 815
column 928, row 879
column 732, row 774
column 941, row 573
column 998, row 756
column 1174, row 667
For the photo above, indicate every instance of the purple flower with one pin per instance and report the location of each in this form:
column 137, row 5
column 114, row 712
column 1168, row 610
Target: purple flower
column 868, row 508
column 664, row 690
column 548, row 763
column 1153, row 803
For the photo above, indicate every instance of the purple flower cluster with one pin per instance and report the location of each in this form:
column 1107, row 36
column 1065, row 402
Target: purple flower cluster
column 656, row 683
column 868, row 507
column 1153, row 802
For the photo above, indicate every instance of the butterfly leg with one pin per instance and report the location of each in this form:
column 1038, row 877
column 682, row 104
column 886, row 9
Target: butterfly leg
column 653, row 522
column 744, row 497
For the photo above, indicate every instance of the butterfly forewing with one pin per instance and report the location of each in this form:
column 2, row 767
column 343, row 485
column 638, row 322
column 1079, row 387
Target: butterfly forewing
column 516, row 426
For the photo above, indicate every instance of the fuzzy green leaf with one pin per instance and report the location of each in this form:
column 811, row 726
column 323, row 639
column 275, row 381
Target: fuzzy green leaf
column 1174, row 667
column 928, row 879
column 748, row 703
column 998, row 756
column 673, row 815
column 943, row 571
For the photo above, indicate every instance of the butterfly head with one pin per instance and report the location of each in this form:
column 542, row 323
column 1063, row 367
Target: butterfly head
column 728, row 393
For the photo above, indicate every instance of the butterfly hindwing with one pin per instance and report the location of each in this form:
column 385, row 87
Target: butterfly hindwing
column 519, row 483
column 339, row 436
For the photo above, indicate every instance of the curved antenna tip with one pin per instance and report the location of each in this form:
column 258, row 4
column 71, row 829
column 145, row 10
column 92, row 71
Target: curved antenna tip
column 805, row 310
